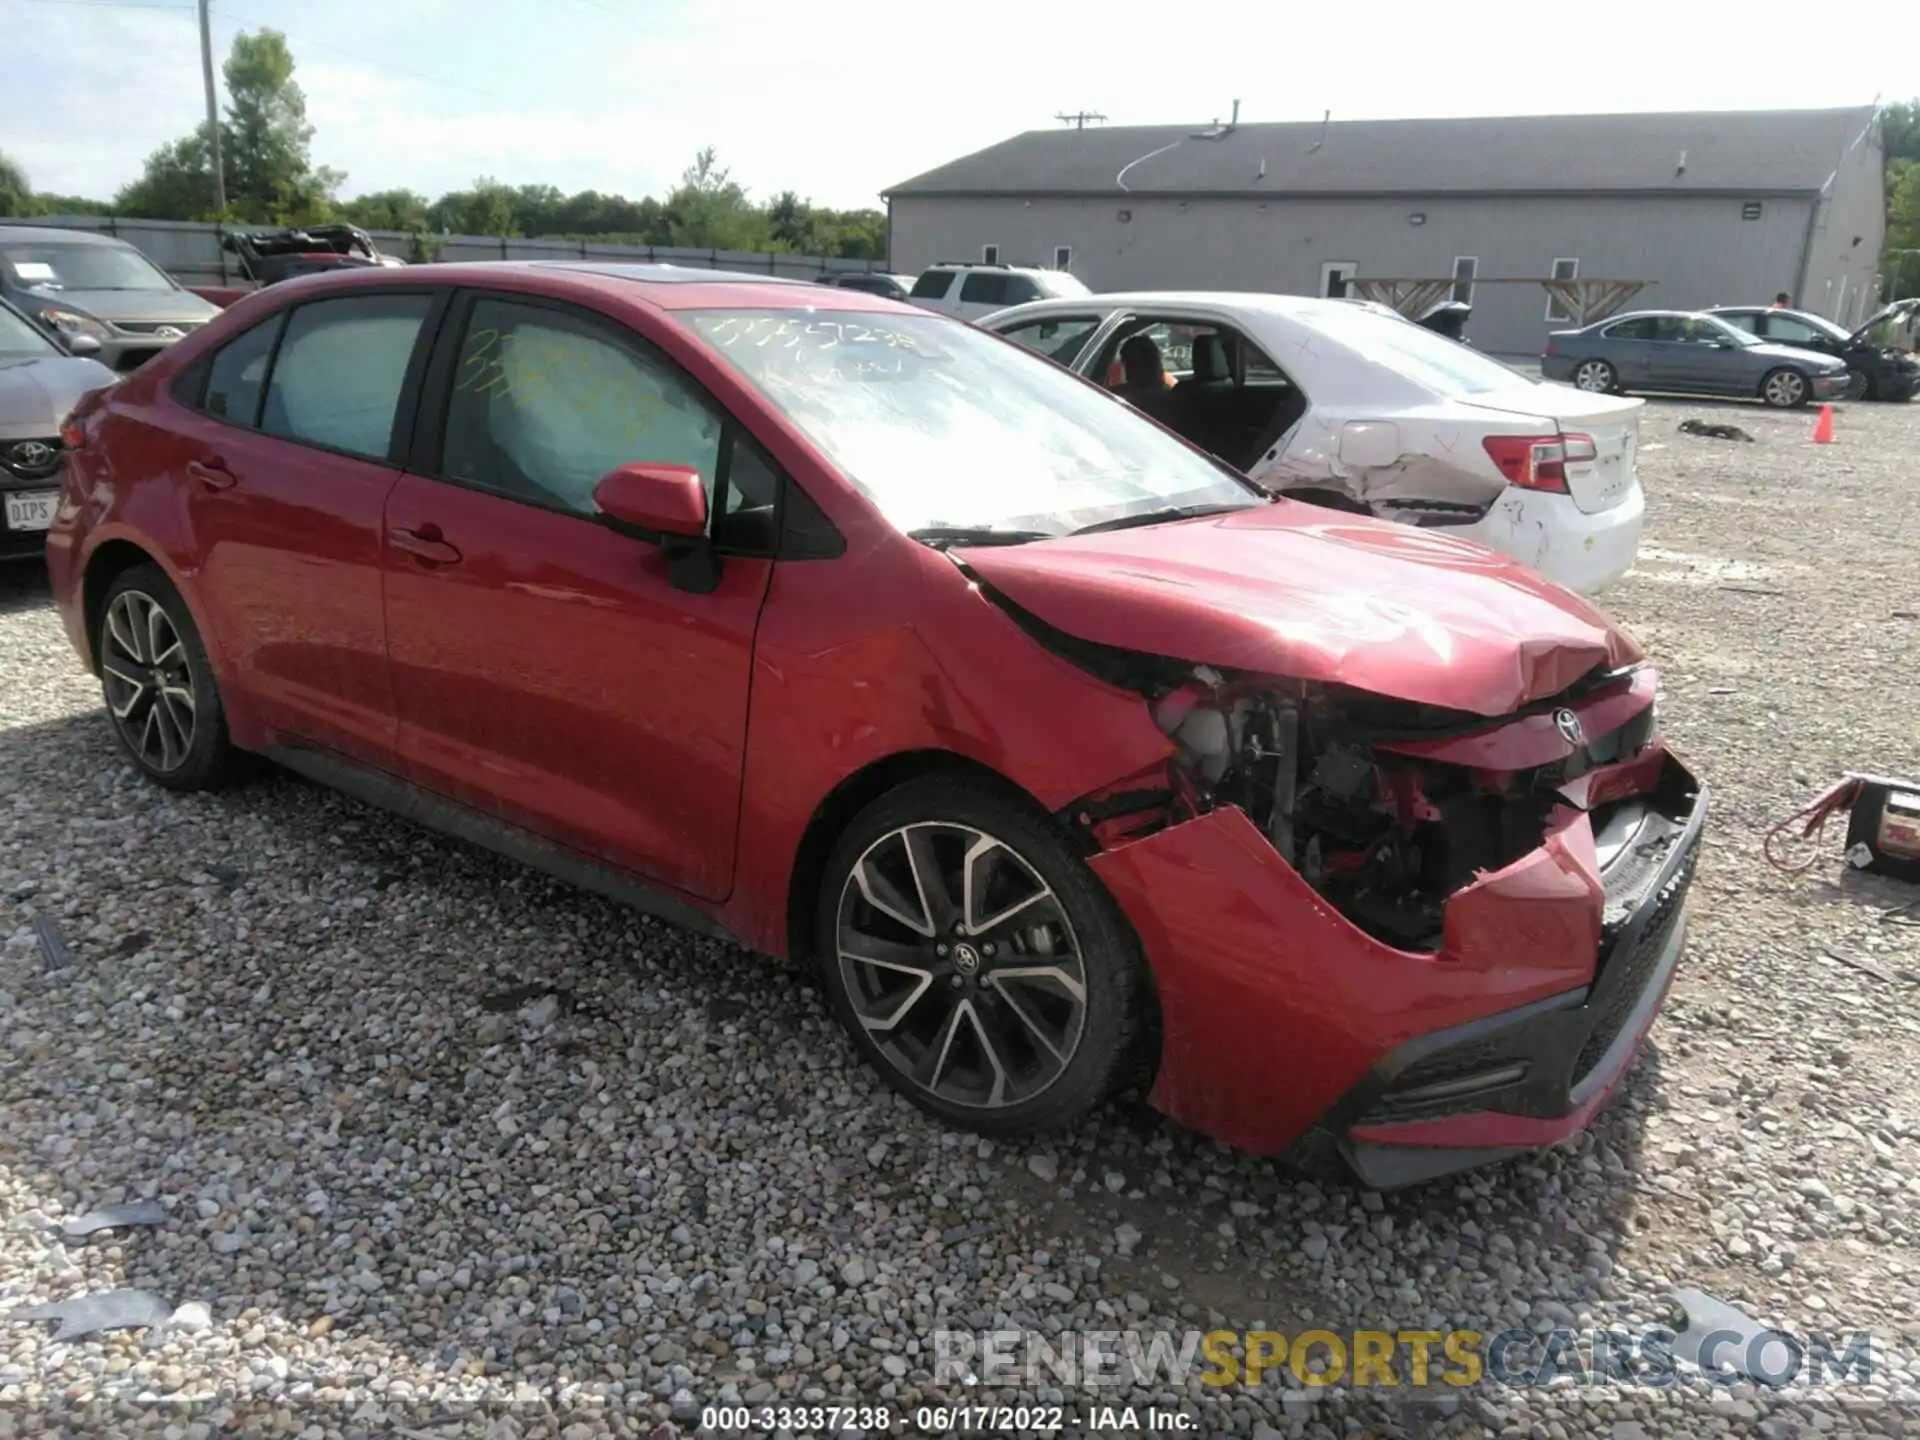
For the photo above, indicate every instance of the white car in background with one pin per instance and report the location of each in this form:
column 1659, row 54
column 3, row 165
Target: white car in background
column 1344, row 405
column 972, row 291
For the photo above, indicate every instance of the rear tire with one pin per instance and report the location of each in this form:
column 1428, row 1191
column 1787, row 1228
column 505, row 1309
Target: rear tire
column 1785, row 389
column 1596, row 377
column 158, row 683
column 977, row 963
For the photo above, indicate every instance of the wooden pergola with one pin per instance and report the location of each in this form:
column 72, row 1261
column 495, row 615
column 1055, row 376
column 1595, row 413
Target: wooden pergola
column 1585, row 300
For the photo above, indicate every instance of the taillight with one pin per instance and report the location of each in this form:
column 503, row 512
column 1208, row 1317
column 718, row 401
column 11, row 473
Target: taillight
column 1553, row 346
column 1539, row 462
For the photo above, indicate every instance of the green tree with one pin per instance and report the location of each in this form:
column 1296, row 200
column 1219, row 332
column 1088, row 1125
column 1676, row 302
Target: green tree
column 264, row 140
column 175, row 184
column 709, row 209
column 1903, row 230
column 386, row 210
column 16, row 196
column 1900, row 130
column 269, row 169
column 486, row 209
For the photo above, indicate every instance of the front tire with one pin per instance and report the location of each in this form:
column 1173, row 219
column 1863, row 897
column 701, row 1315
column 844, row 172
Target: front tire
column 976, row 961
column 158, row 684
column 1785, row 389
column 1596, row 377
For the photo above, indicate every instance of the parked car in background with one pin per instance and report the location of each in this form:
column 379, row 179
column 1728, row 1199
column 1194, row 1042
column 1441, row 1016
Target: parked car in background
column 41, row 379
column 870, row 282
column 1684, row 352
column 74, row 282
column 266, row 257
column 1881, row 370
column 971, row 291
column 1352, row 406
column 1066, row 756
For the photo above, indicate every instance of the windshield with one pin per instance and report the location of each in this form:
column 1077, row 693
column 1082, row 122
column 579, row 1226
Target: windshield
column 942, row 425
column 82, row 267
column 1444, row 366
column 18, row 338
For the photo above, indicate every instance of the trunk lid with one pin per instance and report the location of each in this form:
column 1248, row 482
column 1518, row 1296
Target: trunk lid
column 1612, row 422
column 1294, row 590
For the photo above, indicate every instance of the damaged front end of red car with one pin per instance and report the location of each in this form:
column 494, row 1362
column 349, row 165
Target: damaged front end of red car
column 1417, row 938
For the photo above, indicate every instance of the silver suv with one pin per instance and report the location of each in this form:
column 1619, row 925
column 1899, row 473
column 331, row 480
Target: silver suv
column 971, row 291
column 74, row 283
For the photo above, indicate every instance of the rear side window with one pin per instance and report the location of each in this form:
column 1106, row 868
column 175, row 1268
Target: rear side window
column 985, row 287
column 932, row 285
column 238, row 376
column 1748, row 323
column 1019, row 289
column 340, row 371
column 1643, row 328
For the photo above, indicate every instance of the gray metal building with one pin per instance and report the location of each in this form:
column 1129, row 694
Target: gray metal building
column 1715, row 208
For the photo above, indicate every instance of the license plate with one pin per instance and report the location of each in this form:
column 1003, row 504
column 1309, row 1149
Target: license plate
column 31, row 509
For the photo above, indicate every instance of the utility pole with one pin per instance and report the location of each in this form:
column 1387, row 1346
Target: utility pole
column 213, row 110
column 1079, row 118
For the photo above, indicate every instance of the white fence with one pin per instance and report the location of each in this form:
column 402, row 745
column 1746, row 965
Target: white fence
column 189, row 250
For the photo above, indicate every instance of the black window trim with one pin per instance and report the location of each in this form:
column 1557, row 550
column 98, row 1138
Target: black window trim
column 404, row 412
column 425, row 450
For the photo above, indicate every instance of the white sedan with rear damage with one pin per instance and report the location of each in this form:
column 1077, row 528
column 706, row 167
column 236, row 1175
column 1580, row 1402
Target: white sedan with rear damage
column 1337, row 403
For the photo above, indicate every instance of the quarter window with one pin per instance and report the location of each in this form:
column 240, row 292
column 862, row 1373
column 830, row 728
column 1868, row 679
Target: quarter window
column 238, row 376
column 341, row 368
column 545, row 403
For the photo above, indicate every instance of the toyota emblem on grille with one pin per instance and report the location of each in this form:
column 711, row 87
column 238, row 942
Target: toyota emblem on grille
column 31, row 457
column 1568, row 724
column 167, row 332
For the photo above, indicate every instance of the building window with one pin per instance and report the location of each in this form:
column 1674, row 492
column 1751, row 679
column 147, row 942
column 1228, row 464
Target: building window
column 989, row 254
column 1335, row 277
column 1063, row 257
column 1465, row 268
column 1750, row 210
column 1557, row 314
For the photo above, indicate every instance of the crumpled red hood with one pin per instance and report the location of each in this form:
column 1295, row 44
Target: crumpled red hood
column 1294, row 590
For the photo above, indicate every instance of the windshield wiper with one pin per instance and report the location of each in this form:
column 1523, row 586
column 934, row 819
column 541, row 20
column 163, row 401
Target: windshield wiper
column 1161, row 516
column 941, row 536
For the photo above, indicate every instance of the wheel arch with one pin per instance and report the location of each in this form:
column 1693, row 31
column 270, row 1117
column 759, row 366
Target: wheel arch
column 847, row 799
column 109, row 560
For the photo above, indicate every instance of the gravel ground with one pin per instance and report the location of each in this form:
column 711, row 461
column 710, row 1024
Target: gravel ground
column 679, row 1188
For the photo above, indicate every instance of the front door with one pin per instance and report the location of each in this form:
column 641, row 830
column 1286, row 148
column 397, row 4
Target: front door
column 545, row 667
column 289, row 459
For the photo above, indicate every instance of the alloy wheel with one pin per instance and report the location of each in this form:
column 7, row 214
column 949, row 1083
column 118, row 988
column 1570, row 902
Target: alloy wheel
column 1785, row 389
column 1593, row 375
column 148, row 681
column 961, row 965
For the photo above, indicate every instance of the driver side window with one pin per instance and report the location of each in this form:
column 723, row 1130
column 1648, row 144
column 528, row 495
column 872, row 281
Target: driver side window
column 545, row 403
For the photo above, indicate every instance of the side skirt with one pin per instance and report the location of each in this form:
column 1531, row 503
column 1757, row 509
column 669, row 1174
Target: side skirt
column 461, row 822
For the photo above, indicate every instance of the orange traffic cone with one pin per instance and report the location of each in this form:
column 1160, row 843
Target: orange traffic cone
column 1823, row 427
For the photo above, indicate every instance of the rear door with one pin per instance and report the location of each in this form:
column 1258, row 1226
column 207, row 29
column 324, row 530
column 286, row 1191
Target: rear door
column 290, row 451
column 1630, row 346
column 546, row 668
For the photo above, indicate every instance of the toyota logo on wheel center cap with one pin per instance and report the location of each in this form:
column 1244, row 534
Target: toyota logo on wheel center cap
column 966, row 959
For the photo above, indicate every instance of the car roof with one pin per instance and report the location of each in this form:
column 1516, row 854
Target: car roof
column 1246, row 302
column 665, row 287
column 54, row 235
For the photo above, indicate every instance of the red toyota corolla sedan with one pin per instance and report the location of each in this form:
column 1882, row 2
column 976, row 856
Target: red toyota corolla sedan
column 870, row 640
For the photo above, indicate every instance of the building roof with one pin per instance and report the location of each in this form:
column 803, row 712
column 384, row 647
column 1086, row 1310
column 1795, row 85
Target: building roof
column 1752, row 152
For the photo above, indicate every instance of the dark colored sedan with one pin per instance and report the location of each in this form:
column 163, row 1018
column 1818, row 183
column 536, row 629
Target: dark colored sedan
column 1065, row 756
column 872, row 282
column 1685, row 353
column 1881, row 371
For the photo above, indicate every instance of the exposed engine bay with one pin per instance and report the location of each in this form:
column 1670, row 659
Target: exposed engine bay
column 1386, row 838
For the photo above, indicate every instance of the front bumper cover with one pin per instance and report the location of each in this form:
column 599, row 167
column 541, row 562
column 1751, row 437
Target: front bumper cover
column 1285, row 1028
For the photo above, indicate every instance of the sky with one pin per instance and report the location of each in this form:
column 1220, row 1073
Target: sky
column 838, row 101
